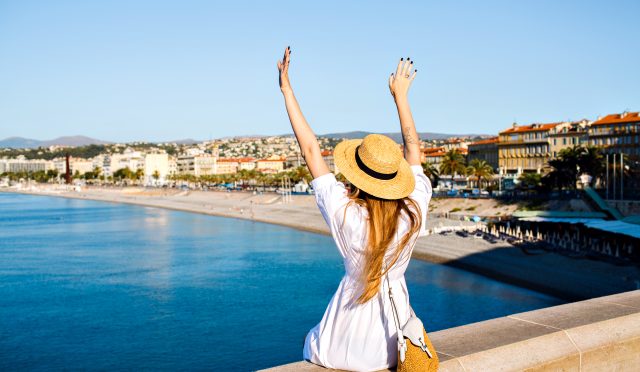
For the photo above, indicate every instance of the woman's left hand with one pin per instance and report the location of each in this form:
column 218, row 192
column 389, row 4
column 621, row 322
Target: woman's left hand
column 283, row 69
column 401, row 80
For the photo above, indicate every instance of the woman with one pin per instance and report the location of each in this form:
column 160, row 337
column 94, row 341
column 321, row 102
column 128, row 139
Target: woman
column 374, row 226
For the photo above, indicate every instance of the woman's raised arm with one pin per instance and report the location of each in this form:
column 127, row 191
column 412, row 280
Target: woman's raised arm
column 399, row 83
column 306, row 139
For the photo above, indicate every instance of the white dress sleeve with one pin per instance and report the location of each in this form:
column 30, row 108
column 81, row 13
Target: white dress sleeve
column 421, row 195
column 331, row 197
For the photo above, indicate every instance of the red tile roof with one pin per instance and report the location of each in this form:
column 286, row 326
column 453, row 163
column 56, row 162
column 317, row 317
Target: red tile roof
column 262, row 160
column 484, row 141
column 435, row 154
column 326, row 153
column 530, row 128
column 429, row 150
column 629, row 117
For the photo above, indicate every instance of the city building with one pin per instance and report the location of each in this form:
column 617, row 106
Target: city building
column 80, row 166
column 617, row 133
column 568, row 134
column 130, row 158
column 228, row 165
column 485, row 149
column 327, row 156
column 524, row 148
column 202, row 164
column 433, row 156
column 455, row 143
column 22, row 164
column 156, row 168
column 294, row 160
column 272, row 164
column 246, row 163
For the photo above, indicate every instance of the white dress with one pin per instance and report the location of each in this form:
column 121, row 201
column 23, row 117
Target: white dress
column 352, row 336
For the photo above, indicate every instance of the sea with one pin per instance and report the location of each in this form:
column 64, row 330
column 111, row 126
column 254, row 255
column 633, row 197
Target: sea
column 87, row 285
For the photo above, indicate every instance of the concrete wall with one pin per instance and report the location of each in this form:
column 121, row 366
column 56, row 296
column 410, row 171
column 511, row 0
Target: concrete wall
column 601, row 334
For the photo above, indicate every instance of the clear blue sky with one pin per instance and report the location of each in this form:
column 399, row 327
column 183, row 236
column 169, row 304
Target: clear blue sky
column 161, row 70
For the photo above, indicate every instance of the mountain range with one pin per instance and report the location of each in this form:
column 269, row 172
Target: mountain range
column 21, row 142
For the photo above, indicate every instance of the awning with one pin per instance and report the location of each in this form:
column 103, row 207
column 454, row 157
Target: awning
column 618, row 227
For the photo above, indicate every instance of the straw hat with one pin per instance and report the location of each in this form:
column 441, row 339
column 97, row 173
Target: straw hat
column 375, row 165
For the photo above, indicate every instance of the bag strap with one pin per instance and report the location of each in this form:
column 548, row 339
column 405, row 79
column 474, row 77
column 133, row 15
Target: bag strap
column 402, row 346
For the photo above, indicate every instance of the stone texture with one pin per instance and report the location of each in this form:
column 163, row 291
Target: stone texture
column 481, row 336
column 575, row 314
column 554, row 350
column 612, row 345
column 601, row 334
column 631, row 299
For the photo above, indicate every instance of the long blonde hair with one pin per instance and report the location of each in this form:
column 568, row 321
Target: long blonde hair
column 384, row 218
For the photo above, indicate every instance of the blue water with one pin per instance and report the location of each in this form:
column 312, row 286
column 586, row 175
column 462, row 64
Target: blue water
column 99, row 286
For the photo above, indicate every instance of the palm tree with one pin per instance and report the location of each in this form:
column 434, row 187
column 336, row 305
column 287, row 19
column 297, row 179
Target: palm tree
column 453, row 163
column 300, row 173
column 529, row 181
column 590, row 160
column 564, row 169
column 480, row 170
column 432, row 172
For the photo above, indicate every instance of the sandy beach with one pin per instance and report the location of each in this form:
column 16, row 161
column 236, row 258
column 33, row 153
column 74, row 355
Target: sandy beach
column 568, row 278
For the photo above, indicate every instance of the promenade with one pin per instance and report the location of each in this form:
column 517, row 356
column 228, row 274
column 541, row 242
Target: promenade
column 554, row 274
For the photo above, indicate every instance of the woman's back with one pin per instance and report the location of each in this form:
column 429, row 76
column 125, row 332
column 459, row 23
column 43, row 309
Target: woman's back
column 351, row 335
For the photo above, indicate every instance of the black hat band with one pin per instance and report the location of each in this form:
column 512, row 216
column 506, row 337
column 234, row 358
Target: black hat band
column 371, row 172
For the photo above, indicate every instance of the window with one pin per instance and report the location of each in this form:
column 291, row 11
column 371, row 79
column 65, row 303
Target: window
column 564, row 141
column 554, row 141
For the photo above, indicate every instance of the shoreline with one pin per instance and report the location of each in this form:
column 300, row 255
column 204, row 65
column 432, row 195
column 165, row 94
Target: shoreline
column 550, row 274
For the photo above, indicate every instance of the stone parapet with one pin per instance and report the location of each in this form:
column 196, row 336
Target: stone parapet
column 600, row 334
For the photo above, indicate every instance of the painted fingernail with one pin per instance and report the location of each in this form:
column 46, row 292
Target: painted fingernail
column 411, row 62
column 416, row 70
column 408, row 58
column 402, row 59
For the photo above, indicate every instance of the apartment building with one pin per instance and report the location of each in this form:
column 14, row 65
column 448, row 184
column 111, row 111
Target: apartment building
column 616, row 133
column 202, row 164
column 568, row 134
column 22, row 164
column 432, row 156
column 327, row 156
column 272, row 164
column 156, row 168
column 485, row 149
column 524, row 148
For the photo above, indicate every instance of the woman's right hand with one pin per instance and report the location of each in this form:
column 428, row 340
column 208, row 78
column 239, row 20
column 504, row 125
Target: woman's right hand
column 400, row 81
column 283, row 69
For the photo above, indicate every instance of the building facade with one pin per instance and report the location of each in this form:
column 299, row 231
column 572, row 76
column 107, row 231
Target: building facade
column 156, row 168
column 524, row 149
column 617, row 133
column 272, row 164
column 21, row 164
column 485, row 149
column 568, row 134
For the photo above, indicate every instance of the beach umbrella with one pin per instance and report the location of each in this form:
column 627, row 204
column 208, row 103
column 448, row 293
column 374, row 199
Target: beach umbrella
column 476, row 219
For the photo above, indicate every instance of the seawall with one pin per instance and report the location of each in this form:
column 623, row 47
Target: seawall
column 600, row 334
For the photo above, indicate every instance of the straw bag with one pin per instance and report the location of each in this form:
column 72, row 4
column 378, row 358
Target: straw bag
column 418, row 353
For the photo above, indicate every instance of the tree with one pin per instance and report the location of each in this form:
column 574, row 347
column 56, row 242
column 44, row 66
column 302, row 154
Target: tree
column 432, row 172
column 570, row 163
column 453, row 163
column 480, row 171
column 138, row 174
column 529, row 181
column 300, row 173
column 156, row 175
column 123, row 174
column 590, row 160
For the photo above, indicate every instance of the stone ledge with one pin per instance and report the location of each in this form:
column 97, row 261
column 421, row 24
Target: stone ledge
column 593, row 335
